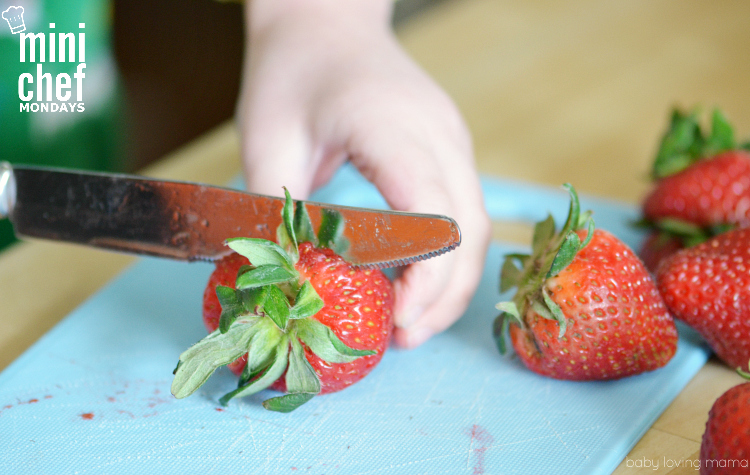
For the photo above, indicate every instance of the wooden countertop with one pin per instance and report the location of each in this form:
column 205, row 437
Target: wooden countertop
column 553, row 91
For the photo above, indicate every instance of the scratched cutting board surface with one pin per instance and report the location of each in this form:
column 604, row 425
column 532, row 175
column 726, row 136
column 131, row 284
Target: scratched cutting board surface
column 92, row 396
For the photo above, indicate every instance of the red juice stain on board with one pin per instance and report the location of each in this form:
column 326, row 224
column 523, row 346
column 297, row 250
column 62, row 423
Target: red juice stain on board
column 482, row 438
column 30, row 401
column 127, row 413
column 87, row 416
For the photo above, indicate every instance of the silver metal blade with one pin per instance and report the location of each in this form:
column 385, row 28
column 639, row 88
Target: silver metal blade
column 191, row 221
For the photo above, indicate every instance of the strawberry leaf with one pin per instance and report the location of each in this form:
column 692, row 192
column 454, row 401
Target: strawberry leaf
column 551, row 311
column 300, row 375
column 678, row 227
column 720, row 228
column 586, row 220
column 499, row 330
column 589, row 233
column 574, row 211
column 543, row 232
column 323, row 342
column 243, row 269
column 261, row 252
column 248, row 374
column 287, row 216
column 685, row 143
column 253, row 300
column 508, row 313
column 307, row 303
column 303, row 226
column 542, row 310
column 287, row 402
column 557, row 313
column 231, row 307
column 276, row 306
column 687, row 233
column 267, row 301
column 521, row 258
column 271, row 374
column 511, row 309
column 679, row 146
column 722, row 135
column 282, row 237
column 677, row 163
column 565, row 255
column 198, row 362
column 331, row 232
column 264, row 275
column 510, row 275
column 571, row 242
column 262, row 351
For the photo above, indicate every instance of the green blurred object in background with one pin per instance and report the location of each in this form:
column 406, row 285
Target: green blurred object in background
column 89, row 139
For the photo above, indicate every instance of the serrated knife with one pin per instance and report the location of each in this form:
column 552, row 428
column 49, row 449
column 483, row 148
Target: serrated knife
column 191, row 221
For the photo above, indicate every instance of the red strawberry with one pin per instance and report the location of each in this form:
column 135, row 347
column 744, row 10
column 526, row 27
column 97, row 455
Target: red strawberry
column 702, row 186
column 299, row 319
column 710, row 192
column 725, row 447
column 586, row 307
column 708, row 287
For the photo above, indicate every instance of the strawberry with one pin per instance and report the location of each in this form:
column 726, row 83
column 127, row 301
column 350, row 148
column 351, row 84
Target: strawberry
column 710, row 192
column 586, row 308
column 725, row 447
column 708, row 287
column 702, row 185
column 292, row 316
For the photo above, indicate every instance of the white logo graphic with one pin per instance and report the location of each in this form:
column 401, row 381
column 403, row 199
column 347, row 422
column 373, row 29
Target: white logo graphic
column 47, row 91
column 14, row 17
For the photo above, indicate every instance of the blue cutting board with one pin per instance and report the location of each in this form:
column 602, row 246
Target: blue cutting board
column 92, row 396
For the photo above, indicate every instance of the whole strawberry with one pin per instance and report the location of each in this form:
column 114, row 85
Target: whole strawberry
column 708, row 287
column 586, row 308
column 293, row 317
column 725, row 447
column 710, row 192
column 702, row 186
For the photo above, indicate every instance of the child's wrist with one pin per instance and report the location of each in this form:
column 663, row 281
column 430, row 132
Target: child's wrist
column 259, row 14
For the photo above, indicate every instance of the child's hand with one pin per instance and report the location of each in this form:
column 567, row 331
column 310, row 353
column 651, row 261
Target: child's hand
column 325, row 82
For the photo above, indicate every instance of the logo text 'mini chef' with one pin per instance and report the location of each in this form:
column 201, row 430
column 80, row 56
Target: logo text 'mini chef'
column 43, row 90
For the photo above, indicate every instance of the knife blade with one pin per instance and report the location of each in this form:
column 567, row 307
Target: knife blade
column 191, row 221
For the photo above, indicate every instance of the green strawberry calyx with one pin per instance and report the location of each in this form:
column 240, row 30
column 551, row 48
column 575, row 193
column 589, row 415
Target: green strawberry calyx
column 268, row 316
column 685, row 142
column 551, row 253
column 687, row 233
